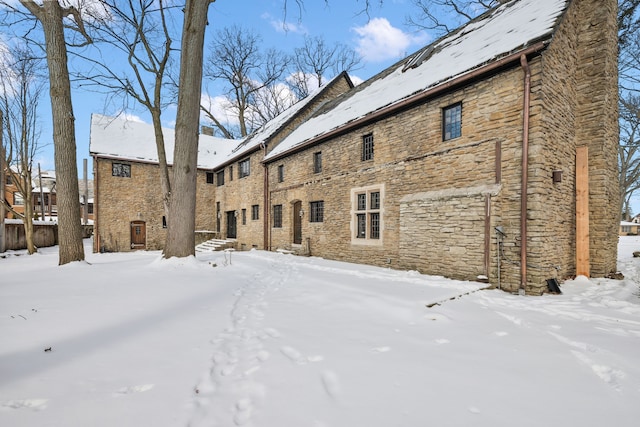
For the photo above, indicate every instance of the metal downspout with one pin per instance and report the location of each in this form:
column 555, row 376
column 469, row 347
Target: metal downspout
column 525, row 172
column 266, row 231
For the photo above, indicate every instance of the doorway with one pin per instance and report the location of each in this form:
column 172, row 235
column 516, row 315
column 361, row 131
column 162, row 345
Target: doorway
column 138, row 235
column 297, row 223
column 231, row 225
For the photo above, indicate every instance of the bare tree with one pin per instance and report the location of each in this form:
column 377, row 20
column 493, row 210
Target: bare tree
column 316, row 61
column 247, row 73
column 629, row 151
column 54, row 19
column 21, row 88
column 139, row 30
column 182, row 206
column 443, row 16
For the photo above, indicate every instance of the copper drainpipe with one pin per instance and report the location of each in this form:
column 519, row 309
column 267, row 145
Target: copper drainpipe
column 266, row 231
column 525, row 171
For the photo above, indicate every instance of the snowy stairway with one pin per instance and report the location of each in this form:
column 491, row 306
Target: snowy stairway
column 215, row 245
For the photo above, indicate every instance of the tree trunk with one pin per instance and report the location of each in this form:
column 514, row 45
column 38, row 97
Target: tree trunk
column 68, row 193
column 182, row 206
column 165, row 184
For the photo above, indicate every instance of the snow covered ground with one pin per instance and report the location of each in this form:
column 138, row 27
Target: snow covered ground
column 272, row 340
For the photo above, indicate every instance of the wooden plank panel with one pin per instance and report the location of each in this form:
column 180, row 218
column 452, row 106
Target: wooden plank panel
column 582, row 212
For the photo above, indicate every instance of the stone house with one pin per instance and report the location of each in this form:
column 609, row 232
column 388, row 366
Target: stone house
column 128, row 210
column 489, row 154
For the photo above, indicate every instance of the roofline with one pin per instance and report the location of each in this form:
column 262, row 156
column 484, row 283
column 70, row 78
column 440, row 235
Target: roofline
column 286, row 123
column 413, row 100
column 98, row 156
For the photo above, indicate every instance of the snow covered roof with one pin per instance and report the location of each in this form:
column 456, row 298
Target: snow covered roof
column 117, row 137
column 124, row 139
column 502, row 31
column 270, row 128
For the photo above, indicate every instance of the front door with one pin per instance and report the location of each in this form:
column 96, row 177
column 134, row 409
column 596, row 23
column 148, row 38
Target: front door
column 138, row 235
column 231, row 224
column 297, row 223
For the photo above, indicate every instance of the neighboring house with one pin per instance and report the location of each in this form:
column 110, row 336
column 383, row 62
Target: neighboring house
column 13, row 197
column 47, row 194
column 421, row 166
column 629, row 228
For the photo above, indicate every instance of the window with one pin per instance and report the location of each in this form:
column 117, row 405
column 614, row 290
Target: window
column 452, row 122
column 317, row 162
column 230, row 173
column 244, row 217
column 164, row 221
column 255, row 212
column 281, row 173
column 277, row 216
column 120, row 169
column 220, row 178
column 317, row 211
column 367, row 215
column 367, row 147
column 209, row 177
column 90, row 208
column 18, row 200
column 244, row 168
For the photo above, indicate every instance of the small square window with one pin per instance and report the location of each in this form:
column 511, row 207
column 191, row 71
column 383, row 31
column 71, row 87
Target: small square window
column 452, row 122
column 317, row 211
column 367, row 147
column 244, row 168
column 317, row 162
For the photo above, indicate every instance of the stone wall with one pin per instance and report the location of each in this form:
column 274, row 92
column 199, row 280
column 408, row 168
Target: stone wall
column 121, row 200
column 243, row 193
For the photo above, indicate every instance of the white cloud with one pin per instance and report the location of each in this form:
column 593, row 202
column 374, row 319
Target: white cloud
column 379, row 41
column 283, row 26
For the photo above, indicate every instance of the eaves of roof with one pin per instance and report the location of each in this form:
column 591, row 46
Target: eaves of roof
column 268, row 139
column 418, row 98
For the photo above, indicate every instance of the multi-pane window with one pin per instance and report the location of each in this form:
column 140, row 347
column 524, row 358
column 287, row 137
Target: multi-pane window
column 244, row 217
column 367, row 147
column 244, row 168
column 220, row 178
column 452, row 122
column 317, row 162
column 255, row 212
column 209, row 177
column 281, row 173
column 18, row 200
column 317, row 211
column 367, row 219
column 121, row 169
column 277, row 216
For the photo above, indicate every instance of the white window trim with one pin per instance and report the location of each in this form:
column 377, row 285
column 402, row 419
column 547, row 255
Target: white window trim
column 353, row 226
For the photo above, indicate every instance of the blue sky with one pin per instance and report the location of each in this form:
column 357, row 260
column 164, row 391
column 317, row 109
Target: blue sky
column 381, row 38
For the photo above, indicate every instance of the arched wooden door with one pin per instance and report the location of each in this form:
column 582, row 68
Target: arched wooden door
column 138, row 235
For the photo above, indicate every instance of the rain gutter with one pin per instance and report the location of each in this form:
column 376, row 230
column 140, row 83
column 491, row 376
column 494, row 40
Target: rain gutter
column 525, row 170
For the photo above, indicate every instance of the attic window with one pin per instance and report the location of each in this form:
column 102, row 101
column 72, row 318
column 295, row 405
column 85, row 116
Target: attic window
column 120, row 169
